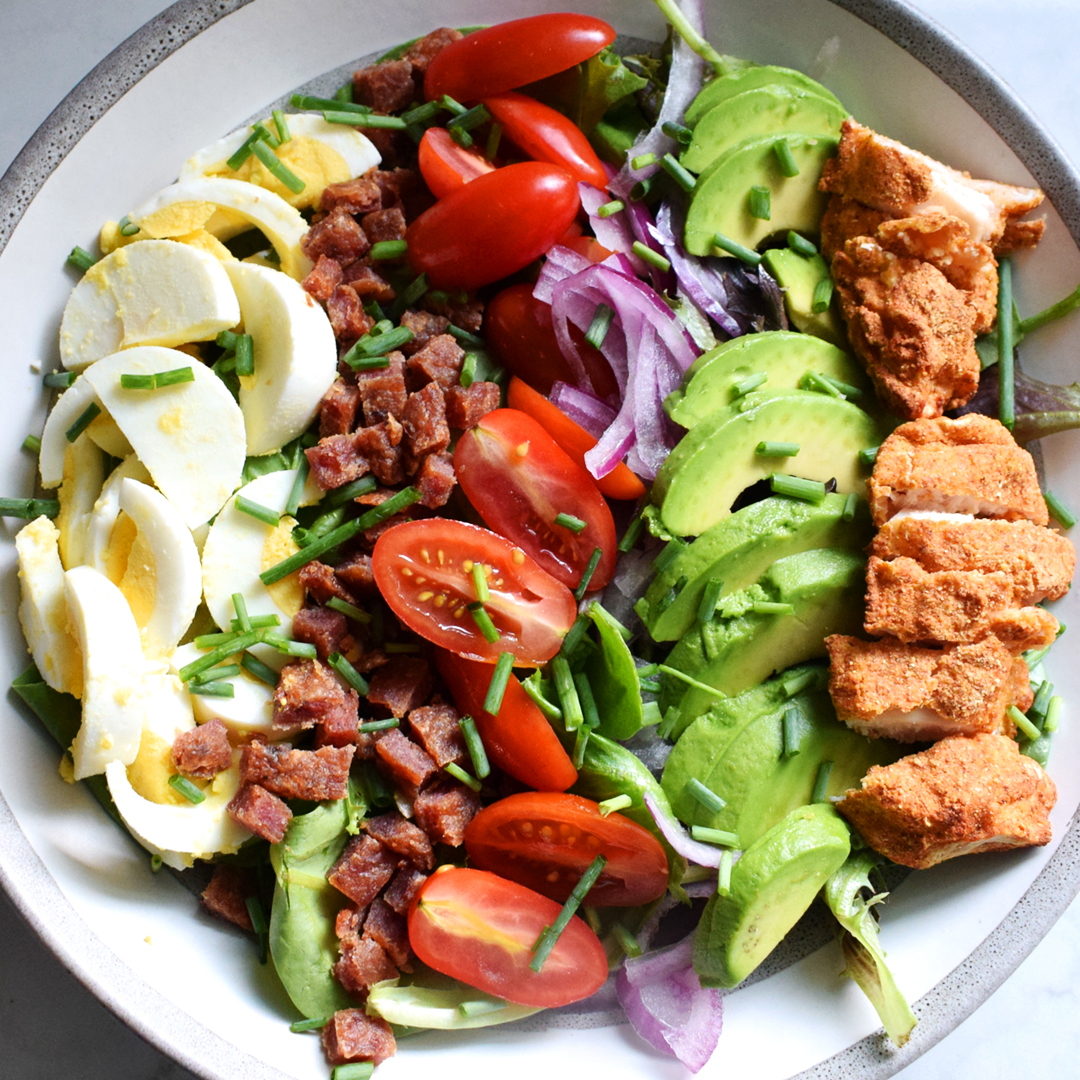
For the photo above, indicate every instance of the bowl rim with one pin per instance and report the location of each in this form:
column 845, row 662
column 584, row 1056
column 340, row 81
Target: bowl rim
column 24, row 877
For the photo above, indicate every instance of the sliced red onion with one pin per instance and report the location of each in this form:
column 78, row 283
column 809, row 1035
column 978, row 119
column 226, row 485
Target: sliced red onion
column 586, row 410
column 614, row 232
column 667, row 1005
column 679, row 838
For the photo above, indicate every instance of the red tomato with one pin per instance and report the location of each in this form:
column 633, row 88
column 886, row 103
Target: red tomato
column 446, row 166
column 480, row 929
column 518, row 328
column 493, row 226
column 588, row 247
column 424, row 572
column 547, row 135
column 511, row 54
column 519, row 480
column 519, row 740
column 620, row 483
column 546, row 841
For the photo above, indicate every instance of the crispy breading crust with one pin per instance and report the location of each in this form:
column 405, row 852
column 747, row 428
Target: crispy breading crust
column 914, row 694
column 1039, row 561
column 960, row 796
column 974, row 460
column 845, row 218
column 906, row 602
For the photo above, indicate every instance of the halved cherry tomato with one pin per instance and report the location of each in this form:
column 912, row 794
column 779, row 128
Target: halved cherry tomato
column 519, row 740
column 546, row 135
column 480, row 929
column 493, row 226
column 588, row 247
column 620, row 483
column 511, row 54
column 518, row 478
column 518, row 328
column 424, row 572
column 445, row 166
column 546, row 841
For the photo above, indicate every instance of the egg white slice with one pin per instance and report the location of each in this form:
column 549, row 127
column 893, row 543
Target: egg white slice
column 190, row 436
column 43, row 611
column 295, row 356
column 176, row 572
column 188, row 207
column 84, row 473
column 157, row 292
column 99, row 534
column 250, row 709
column 70, row 405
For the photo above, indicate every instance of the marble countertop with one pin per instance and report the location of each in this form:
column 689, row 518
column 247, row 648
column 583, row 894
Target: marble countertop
column 1029, row 1027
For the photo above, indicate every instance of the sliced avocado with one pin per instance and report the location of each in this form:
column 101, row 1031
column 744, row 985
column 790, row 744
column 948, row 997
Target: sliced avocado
column 798, row 276
column 739, row 549
column 718, row 458
column 765, row 110
column 750, row 78
column 772, row 885
column 721, row 199
column 783, row 356
column 825, row 590
column 747, row 767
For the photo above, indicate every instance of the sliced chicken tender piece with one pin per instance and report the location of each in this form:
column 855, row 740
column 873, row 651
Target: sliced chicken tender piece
column 1039, row 561
column 967, row 466
column 906, row 602
column 912, row 328
column 962, row 796
column 888, row 689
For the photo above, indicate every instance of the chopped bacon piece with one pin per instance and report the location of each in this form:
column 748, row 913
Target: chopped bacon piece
column 402, row 890
column 407, row 763
column 335, row 461
column 385, row 926
column 315, row 775
column 204, row 751
column 338, row 236
column 262, row 813
column 380, row 445
column 467, row 406
column 363, row 963
column 402, row 836
column 421, row 53
column 387, row 87
column 307, row 691
column 322, row 627
column 381, row 225
column 337, row 413
column 383, row 391
column 424, row 326
column 436, row 729
column 321, row 582
column 424, row 421
column 445, row 809
column 349, row 922
column 347, row 315
column 464, row 314
column 401, row 685
column 360, row 195
column 352, row 1035
column 356, row 573
column 439, row 361
column 324, row 278
column 364, row 867
column 435, row 479
column 227, row 894
column 368, row 282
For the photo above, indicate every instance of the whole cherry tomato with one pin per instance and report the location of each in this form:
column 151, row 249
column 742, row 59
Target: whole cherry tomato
column 546, row 135
column 445, row 166
column 493, row 226
column 511, row 54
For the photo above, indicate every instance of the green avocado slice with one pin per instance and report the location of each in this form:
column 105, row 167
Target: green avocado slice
column 716, row 460
column 750, row 78
column 783, row 356
column 765, row 110
column 798, row 275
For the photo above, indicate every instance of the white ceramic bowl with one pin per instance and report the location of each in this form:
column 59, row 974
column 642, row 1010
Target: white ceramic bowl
column 180, row 979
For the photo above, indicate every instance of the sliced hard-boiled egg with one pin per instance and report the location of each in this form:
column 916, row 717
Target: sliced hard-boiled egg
column 189, row 435
column 318, row 153
column 295, row 356
column 163, row 579
column 104, row 431
column 103, row 551
column 249, row 710
column 84, row 472
column 153, row 765
column 222, row 207
column 154, row 292
column 69, row 407
column 43, row 611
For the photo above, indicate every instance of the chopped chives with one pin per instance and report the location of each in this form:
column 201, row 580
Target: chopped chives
column 800, row 245
column 257, row 511
column 80, row 258
column 823, row 291
column 785, row 158
column 723, row 881
column 642, row 188
column 494, row 139
column 452, row 106
column 550, row 936
column 258, row 622
column 236, row 643
column 479, row 576
column 586, row 577
column 212, row 689
column 761, row 202
column 263, row 672
column 768, row 607
column 849, row 391
column 240, row 607
column 465, row 337
column 671, row 551
column 258, row 924
column 296, row 493
column 32, row 443
column 245, row 355
column 368, row 727
column 751, row 382
column 598, row 328
column 797, row 683
column 851, row 504
column 671, row 595
column 278, row 169
column 868, row 456
column 796, row 487
column 351, row 611
column 679, row 132
column 720, row 837
column 642, row 161
column 421, row 114
column 182, row 375
column 627, row 941
column 500, row 676
column 1053, row 713
column 685, row 179
column 411, row 294
column 86, row 418
column 581, row 744
column 128, row 227
column 653, row 258
column 155, row 864
column 282, row 125
column 388, row 249
column 813, row 381
column 287, row 646
column 616, row 206
column 29, row 508
column 183, row 786
column 226, row 340
column 354, row 1070
column 344, row 92
column 733, row 247
column 574, row 636
column 650, row 713
column 1005, row 346
column 691, row 681
column 790, row 731
column 261, row 131
column 211, row 641
column 317, row 104
column 709, row 599
column 821, row 783
column 1064, row 516
column 364, row 119
column 590, row 714
column 567, row 693
column 611, row 806
column 396, row 503
column 1023, row 724
column 59, row 380
column 348, row 673
column 298, row 1027
column 348, row 492
column 470, row 119
column 568, row 521
column 483, row 622
column 468, row 370
column 777, row 449
column 458, row 773
column 1042, row 699
column 704, row 795
column 475, row 745
column 481, row 1008
column 632, row 534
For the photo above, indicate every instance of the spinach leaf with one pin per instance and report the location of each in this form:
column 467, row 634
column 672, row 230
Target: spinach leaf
column 614, row 679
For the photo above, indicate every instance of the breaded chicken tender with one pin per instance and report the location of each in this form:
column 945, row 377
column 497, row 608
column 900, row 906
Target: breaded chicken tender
column 1039, row 561
column 961, row 796
column 892, row 690
column 906, row 602
column 967, row 466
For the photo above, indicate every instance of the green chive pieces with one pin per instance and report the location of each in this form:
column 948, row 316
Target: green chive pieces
column 653, row 258
column 627, row 941
column 370, row 726
column 183, row 786
column 709, row 599
column 483, row 622
column 354, row 1070
column 158, row 379
column 257, row 511
column 589, row 713
column 691, row 681
column 350, row 611
column 768, row 607
column 796, row 487
column 277, row 168
column 240, row 607
column 298, row 1027
column 790, row 731
column 32, row 443
column 1006, row 347
column 500, row 676
column 282, row 126
column 800, row 245
column 642, row 161
column 632, row 534
column 616, row 206
column 720, row 837
column 137, row 382
column 495, row 134
column 685, row 179
column 388, row 249
column 868, row 456
column 586, row 577
column 613, row 805
column 480, row 582
column 818, row 383
column 297, row 491
column 785, row 158
column 468, row 370
column 547, row 940
column 598, row 328
column 80, row 258
column 1061, row 513
column 671, row 551
column 245, row 355
column 733, row 247
column 128, row 227
column 568, row 521
column 704, row 795
column 59, row 380
column 348, row 673
column 1053, row 713
column 465, row 338
column 821, row 783
column 751, row 382
column 760, row 202
column 458, row 773
column 474, row 744
column 679, row 132
column 777, row 449
column 212, row 689
column 1023, row 724
column 86, row 418
column 851, row 504
column 723, row 881
column 823, row 291
column 263, row 672
column 566, row 689
column 29, row 508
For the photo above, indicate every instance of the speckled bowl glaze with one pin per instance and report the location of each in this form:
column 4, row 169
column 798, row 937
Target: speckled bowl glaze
column 953, row 934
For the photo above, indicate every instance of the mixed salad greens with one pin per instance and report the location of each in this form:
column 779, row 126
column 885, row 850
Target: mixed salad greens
column 163, row 587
